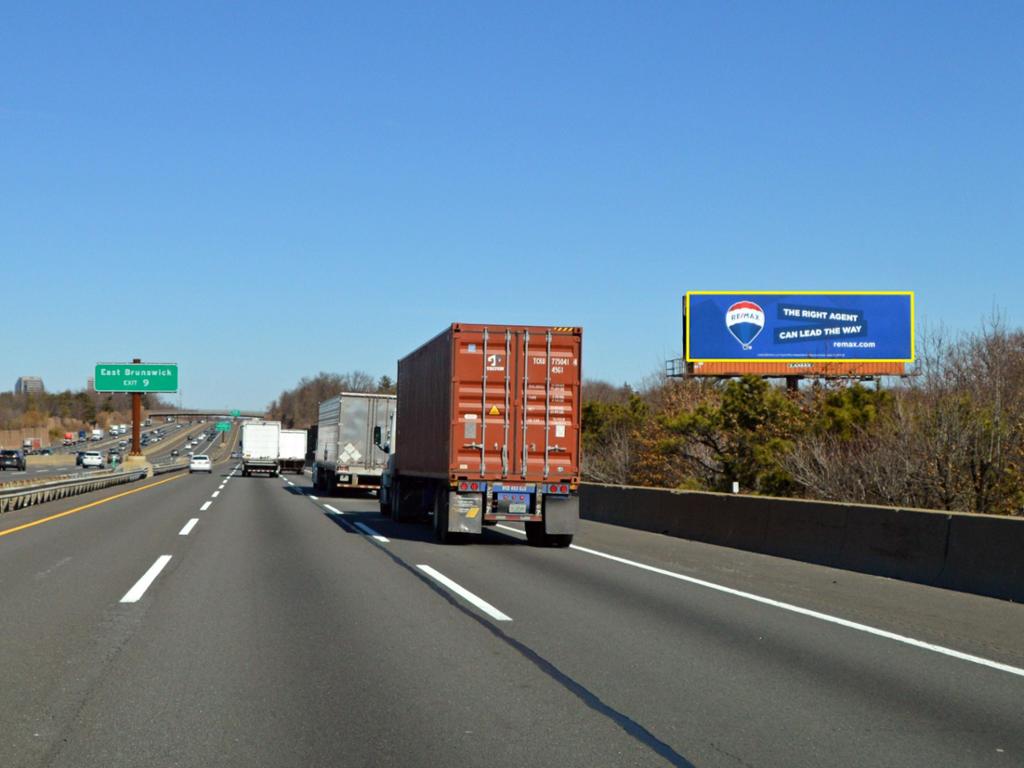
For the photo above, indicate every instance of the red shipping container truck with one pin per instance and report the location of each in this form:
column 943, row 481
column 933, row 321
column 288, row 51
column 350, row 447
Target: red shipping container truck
column 487, row 430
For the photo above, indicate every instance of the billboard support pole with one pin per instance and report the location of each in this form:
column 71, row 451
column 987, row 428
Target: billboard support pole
column 793, row 383
column 136, row 419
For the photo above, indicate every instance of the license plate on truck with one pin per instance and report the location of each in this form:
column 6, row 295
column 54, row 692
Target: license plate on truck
column 517, row 509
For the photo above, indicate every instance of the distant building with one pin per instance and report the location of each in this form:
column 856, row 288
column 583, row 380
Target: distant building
column 29, row 385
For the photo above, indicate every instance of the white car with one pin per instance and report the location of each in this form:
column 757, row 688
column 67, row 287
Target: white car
column 92, row 459
column 200, row 463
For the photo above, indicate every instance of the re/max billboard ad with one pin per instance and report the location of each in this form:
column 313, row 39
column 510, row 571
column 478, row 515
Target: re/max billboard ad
column 799, row 326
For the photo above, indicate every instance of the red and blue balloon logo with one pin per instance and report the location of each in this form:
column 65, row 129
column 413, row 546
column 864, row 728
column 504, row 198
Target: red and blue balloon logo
column 745, row 320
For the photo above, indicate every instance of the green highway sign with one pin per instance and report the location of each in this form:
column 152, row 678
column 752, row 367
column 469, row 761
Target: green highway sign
column 235, row 414
column 136, row 377
column 223, row 426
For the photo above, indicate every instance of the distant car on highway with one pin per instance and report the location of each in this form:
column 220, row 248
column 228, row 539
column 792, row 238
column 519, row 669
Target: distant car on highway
column 78, row 458
column 114, row 455
column 12, row 459
column 45, row 452
column 236, row 454
column 92, row 459
column 200, row 463
column 174, row 452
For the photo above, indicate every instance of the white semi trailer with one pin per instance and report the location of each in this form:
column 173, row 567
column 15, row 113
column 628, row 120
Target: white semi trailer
column 260, row 447
column 291, row 454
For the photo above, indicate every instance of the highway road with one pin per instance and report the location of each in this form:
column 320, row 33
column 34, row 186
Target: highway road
column 157, row 452
column 215, row 620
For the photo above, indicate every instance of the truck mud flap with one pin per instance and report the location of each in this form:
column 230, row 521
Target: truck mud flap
column 465, row 512
column 561, row 514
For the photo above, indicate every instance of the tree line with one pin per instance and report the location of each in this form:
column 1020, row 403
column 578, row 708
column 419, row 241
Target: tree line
column 30, row 410
column 949, row 437
column 300, row 406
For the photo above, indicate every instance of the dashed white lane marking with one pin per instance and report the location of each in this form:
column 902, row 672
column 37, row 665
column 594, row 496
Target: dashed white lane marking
column 370, row 532
column 205, row 506
column 464, row 593
column 136, row 592
column 335, row 511
column 290, row 482
column 797, row 609
column 215, row 494
column 188, row 527
column 314, row 498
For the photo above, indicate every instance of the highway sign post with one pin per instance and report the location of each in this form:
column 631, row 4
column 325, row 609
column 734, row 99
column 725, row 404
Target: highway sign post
column 136, row 377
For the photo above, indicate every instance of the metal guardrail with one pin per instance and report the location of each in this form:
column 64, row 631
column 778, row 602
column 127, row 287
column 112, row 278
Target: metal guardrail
column 23, row 494
column 175, row 466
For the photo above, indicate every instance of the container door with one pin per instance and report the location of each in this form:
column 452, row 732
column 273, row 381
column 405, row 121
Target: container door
column 548, row 389
column 516, row 413
column 484, row 406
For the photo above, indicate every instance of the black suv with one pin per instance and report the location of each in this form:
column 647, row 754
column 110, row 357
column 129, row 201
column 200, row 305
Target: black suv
column 12, row 460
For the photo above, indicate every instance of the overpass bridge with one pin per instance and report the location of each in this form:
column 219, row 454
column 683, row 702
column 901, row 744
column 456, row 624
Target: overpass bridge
column 200, row 413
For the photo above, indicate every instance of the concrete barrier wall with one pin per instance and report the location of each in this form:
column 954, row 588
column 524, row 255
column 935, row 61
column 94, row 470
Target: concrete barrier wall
column 54, row 460
column 970, row 553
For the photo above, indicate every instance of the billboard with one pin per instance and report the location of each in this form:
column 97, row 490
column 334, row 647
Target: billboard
column 799, row 326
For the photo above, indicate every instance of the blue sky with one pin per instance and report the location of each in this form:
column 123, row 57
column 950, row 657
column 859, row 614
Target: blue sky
column 261, row 191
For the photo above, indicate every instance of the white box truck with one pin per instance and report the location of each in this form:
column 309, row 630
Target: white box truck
column 260, row 446
column 97, row 434
column 291, row 453
column 346, row 456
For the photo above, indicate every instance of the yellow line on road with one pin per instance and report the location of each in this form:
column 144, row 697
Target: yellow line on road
column 34, row 523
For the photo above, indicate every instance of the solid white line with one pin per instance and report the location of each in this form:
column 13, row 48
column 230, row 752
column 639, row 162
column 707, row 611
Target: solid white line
column 464, row 593
column 148, row 578
column 215, row 494
column 314, row 498
column 370, row 532
column 205, row 506
column 188, row 527
column 797, row 609
column 335, row 511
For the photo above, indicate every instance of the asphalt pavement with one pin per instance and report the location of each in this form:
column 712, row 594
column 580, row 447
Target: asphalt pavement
column 201, row 620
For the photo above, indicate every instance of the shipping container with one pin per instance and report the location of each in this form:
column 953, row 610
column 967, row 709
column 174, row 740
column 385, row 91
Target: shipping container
column 488, row 430
column 260, row 445
column 346, row 456
column 291, row 454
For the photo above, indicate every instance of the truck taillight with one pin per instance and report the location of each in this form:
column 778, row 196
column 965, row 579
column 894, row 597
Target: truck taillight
column 465, row 485
column 561, row 488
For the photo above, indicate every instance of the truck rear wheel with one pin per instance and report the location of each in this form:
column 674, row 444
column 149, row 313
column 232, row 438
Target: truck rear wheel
column 396, row 502
column 441, row 532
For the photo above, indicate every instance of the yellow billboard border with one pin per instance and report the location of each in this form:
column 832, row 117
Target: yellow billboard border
column 846, row 360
